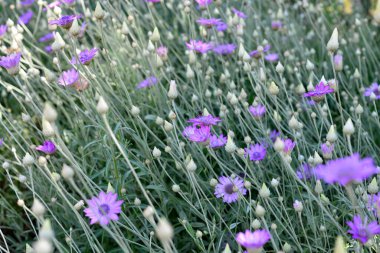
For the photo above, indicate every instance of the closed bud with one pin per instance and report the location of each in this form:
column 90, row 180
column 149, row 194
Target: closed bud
column 50, row 114
column 348, row 128
column 27, row 160
column 38, row 208
column 79, row 205
column 264, row 192
column 168, row 126
column 280, row 68
column 172, row 93
column 260, row 211
column 279, row 145
column 75, row 29
column 156, row 152
column 47, row 128
column 99, row 13
column 318, row 187
column 331, row 135
column 273, row 89
column 102, row 106
column 67, row 172
column 297, row 205
column 135, row 111
column 340, row 246
column 373, row 187
column 155, row 37
column 191, row 166
column 230, row 145
column 333, row 43
column 164, row 230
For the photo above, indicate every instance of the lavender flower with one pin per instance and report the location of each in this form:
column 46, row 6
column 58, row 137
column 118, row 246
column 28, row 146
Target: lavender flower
column 239, row 13
column 288, row 146
column 256, row 152
column 327, row 150
column 162, row 52
column 221, row 27
column 224, row 49
column 253, row 240
column 26, row 3
column 374, row 88
column 48, row 147
column 338, row 62
column 319, row 93
column 69, row 77
column 197, row 134
column 148, row 82
column 276, row 25
column 65, row 21
column 104, row 208
column 1, row 142
column 362, row 230
column 273, row 135
column 3, row 30
column 373, row 203
column 256, row 54
column 305, row 171
column 85, row 57
column 257, row 111
column 229, row 189
column 204, row 120
column 48, row 49
column 203, row 3
column 46, row 37
column 217, row 141
column 346, row 170
column 271, row 57
column 11, row 63
column 199, row 46
column 209, row 22
column 25, row 17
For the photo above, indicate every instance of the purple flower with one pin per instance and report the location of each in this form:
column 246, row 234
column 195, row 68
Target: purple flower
column 148, row 82
column 203, row 3
column 362, row 230
column 346, row 170
column 257, row 54
column 217, row 141
column 229, row 189
column 273, row 135
column 26, row 3
column 305, row 171
column 48, row 147
column 224, row 49
column 3, row 30
column 1, row 142
column 318, row 94
column 271, row 57
column 338, row 62
column 209, row 22
column 276, row 25
column 65, row 21
column 204, row 120
column 257, row 111
column 221, row 27
column 25, row 17
column 162, row 52
column 288, row 146
column 374, row 88
column 11, row 63
column 85, row 57
column 48, row 49
column 256, row 152
column 52, row 5
column 104, row 208
column 239, row 13
column 68, row 78
column 199, row 46
column 253, row 240
column 374, row 203
column 327, row 150
column 82, row 30
column 197, row 134
column 46, row 37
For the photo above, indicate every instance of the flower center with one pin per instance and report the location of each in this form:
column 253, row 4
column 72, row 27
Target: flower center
column 229, row 188
column 104, row 209
column 255, row 155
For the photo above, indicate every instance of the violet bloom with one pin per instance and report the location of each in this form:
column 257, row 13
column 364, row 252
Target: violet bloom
column 221, row 27
column 48, row 49
column 257, row 111
column 203, row 3
column 209, row 22
column 374, row 88
column 48, row 147
column 25, row 17
column 205, row 120
column 46, row 37
column 69, row 77
column 3, row 30
column 338, row 62
column 197, row 134
column 26, row 3
column 217, row 141
column 1, row 142
column 239, row 13
column 224, row 49
column 271, row 57
column 52, row 5
column 276, row 25
column 256, row 152
column 256, row 54
column 288, row 146
column 346, row 170
column 65, row 21
column 318, row 94
column 327, row 150
column 85, row 57
column 253, row 240
column 11, row 63
column 148, row 82
column 104, row 208
column 373, row 203
column 229, row 189
column 162, row 52
column 305, row 171
column 273, row 135
column 361, row 230
column 199, row 46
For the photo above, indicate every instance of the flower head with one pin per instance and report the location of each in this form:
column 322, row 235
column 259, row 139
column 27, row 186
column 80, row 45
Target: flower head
column 199, row 46
column 257, row 111
column 69, row 77
column 224, row 49
column 209, row 22
column 327, row 150
column 221, row 27
column 1, row 142
column 25, row 17
column 375, row 89
column 85, row 57
column 46, row 37
column 162, row 52
column 3, row 30
column 203, row 3
column 288, row 146
column 217, row 141
column 346, row 170
column 305, row 171
column 197, row 134
column 65, row 21
column 229, row 189
column 276, row 25
column 318, row 94
column 257, row 53
column 48, row 147
column 271, row 57
column 273, row 135
column 48, row 49
column 26, row 3
column 256, row 152
column 104, row 208
column 11, row 63
column 239, row 13
column 362, row 230
column 253, row 240
column 204, row 120
column 148, row 82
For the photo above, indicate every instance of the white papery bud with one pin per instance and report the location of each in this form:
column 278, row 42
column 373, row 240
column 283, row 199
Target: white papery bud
column 75, row 29
column 43, row 246
column 38, row 208
column 191, row 166
column 47, row 128
column 164, row 230
column 349, row 128
column 331, row 135
column 318, row 187
column 172, row 93
column 340, row 246
column 274, row 182
column 333, row 43
column 155, row 37
column 230, row 145
column 309, row 65
column 373, row 187
column 317, row 158
column 168, row 126
column 67, row 172
column 280, row 68
column 176, row 188
column 102, row 106
column 46, row 232
column 79, row 205
column 298, row 206
column 27, row 160
column 264, row 192
column 278, row 145
column 50, row 114
column 213, row 182
column 156, row 152
column 99, row 13
column 58, row 43
column 293, row 123
column 260, row 211
column 135, row 111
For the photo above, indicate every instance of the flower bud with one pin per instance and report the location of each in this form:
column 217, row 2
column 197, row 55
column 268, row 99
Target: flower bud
column 79, row 205
column 260, row 211
column 102, row 106
column 373, row 187
column 156, row 152
column 340, row 246
column 191, row 166
column 50, row 114
column 318, row 187
column 67, row 172
column 298, row 207
column 264, row 192
column 155, row 37
column 333, row 43
column 279, row 145
column 38, row 208
column 47, row 128
column 172, row 93
column 164, row 230
column 230, row 145
column 349, row 128
column 99, row 13
column 27, row 160
column 176, row 188
column 331, row 135
column 135, row 111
